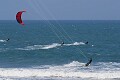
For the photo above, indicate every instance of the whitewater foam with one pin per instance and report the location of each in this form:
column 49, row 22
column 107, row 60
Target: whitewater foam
column 53, row 45
column 3, row 41
column 37, row 47
column 71, row 70
column 75, row 44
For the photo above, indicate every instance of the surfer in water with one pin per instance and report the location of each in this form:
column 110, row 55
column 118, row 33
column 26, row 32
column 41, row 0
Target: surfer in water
column 62, row 43
column 8, row 39
column 87, row 64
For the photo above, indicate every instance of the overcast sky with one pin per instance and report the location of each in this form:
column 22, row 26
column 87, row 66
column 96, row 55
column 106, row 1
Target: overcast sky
column 61, row 9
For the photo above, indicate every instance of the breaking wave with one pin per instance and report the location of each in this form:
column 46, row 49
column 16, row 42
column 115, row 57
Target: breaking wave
column 73, row 70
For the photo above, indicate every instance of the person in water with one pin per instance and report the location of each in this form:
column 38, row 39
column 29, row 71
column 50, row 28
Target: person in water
column 8, row 39
column 86, row 42
column 87, row 64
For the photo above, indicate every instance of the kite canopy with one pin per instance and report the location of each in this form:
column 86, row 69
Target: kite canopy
column 18, row 17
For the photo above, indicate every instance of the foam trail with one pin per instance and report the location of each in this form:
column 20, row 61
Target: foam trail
column 37, row 47
column 54, row 45
column 3, row 41
column 75, row 44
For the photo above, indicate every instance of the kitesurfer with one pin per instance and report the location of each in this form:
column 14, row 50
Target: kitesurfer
column 87, row 64
column 62, row 43
column 8, row 39
column 86, row 42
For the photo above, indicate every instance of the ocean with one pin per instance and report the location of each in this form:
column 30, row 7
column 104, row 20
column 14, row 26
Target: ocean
column 34, row 51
